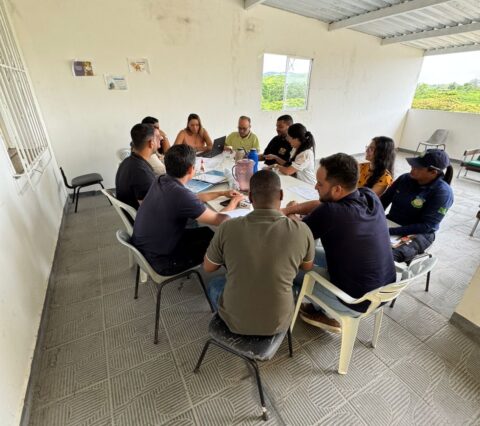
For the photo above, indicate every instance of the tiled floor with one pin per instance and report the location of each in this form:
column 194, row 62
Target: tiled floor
column 99, row 365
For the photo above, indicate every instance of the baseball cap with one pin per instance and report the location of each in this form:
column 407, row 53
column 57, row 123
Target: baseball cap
column 432, row 158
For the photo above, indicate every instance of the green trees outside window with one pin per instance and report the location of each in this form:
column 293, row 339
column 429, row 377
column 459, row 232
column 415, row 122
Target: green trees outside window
column 285, row 83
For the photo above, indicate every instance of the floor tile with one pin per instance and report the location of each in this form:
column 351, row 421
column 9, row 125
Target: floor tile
column 68, row 368
column 88, row 407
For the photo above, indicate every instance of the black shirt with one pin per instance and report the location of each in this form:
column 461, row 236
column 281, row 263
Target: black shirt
column 278, row 146
column 354, row 234
column 133, row 180
column 161, row 219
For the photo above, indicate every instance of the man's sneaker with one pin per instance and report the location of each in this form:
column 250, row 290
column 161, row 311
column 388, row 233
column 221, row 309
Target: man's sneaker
column 319, row 319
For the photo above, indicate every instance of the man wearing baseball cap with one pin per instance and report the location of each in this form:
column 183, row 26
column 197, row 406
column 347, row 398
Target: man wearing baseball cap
column 420, row 199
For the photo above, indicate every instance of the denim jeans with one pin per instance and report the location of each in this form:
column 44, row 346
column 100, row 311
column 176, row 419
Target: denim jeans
column 321, row 292
column 215, row 290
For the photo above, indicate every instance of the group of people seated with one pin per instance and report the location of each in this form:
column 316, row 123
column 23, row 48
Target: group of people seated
column 265, row 253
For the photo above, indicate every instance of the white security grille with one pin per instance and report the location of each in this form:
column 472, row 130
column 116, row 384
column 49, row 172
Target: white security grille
column 21, row 127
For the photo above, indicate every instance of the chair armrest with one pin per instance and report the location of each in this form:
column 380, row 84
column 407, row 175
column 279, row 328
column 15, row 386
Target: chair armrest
column 332, row 288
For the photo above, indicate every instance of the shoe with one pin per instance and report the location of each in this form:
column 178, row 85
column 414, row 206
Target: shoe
column 320, row 320
column 307, row 308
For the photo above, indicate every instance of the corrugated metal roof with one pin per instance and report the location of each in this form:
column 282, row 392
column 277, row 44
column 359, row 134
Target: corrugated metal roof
column 415, row 27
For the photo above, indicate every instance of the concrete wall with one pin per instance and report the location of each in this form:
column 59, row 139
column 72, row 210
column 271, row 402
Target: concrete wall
column 464, row 129
column 29, row 224
column 205, row 57
column 468, row 306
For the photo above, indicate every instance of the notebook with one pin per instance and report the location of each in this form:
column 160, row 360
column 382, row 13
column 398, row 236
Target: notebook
column 217, row 149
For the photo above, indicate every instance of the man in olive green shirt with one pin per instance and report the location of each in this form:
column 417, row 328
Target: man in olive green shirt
column 262, row 253
column 244, row 138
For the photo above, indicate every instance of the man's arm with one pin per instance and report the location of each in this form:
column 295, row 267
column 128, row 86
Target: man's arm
column 387, row 196
column 300, row 208
column 209, row 196
column 209, row 266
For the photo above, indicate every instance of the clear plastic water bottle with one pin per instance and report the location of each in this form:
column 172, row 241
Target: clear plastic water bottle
column 253, row 155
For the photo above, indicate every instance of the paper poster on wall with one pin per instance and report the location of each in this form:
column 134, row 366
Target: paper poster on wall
column 82, row 68
column 138, row 65
column 116, row 82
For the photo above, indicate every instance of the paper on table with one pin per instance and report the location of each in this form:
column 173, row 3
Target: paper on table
column 304, row 192
column 211, row 177
column 237, row 212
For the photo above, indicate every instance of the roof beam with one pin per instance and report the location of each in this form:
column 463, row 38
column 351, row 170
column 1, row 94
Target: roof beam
column 386, row 12
column 248, row 4
column 439, row 32
column 456, row 49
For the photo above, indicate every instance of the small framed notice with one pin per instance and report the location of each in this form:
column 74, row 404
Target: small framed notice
column 138, row 65
column 116, row 82
column 82, row 68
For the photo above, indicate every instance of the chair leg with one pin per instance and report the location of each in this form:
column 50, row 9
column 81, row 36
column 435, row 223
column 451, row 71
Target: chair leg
column 427, row 284
column 459, row 170
column 74, row 194
column 157, row 312
column 474, row 227
column 392, row 303
column 202, row 355
column 76, row 202
column 260, row 389
column 137, row 278
column 376, row 328
column 108, row 199
column 200, row 280
column 349, row 334
column 290, row 346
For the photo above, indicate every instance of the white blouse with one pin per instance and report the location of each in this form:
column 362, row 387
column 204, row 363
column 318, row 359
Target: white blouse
column 304, row 164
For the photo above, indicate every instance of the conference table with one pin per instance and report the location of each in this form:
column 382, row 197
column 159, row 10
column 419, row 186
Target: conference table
column 293, row 189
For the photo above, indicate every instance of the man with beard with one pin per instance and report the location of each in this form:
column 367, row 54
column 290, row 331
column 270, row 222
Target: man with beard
column 352, row 227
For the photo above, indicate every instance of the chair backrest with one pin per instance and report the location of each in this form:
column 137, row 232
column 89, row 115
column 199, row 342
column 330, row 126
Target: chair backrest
column 439, row 136
column 125, row 239
column 121, row 208
column 391, row 291
column 123, row 153
column 65, row 179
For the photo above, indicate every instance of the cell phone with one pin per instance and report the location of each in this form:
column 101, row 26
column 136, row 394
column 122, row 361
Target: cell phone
column 225, row 203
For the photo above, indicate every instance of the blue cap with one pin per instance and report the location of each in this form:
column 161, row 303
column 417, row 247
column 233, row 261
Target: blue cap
column 432, row 158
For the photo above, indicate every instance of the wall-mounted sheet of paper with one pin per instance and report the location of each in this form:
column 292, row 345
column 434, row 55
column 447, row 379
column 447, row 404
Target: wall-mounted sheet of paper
column 82, row 68
column 138, row 65
column 116, row 82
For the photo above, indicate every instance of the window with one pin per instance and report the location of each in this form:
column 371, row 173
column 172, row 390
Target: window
column 285, row 82
column 21, row 128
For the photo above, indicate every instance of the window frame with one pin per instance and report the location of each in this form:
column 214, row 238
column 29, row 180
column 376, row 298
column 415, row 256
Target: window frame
column 285, row 88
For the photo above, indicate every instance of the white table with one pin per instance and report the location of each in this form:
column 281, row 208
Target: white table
column 293, row 189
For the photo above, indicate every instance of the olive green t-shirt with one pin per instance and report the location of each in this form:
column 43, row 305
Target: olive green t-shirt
column 236, row 141
column 262, row 253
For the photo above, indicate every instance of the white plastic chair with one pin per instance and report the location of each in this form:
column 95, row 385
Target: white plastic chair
column 123, row 153
column 122, row 208
column 437, row 140
column 160, row 280
column 349, row 325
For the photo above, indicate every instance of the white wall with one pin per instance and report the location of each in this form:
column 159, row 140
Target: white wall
column 464, row 129
column 205, row 57
column 29, row 224
column 468, row 306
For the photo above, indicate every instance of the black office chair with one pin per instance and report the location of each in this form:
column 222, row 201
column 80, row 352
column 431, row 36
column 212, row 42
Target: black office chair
column 249, row 348
column 81, row 181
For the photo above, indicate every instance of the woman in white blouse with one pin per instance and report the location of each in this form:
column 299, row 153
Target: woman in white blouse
column 302, row 161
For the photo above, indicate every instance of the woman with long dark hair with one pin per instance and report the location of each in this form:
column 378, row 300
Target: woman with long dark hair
column 194, row 135
column 302, row 161
column 377, row 174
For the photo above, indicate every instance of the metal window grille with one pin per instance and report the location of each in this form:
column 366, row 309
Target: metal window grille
column 21, row 126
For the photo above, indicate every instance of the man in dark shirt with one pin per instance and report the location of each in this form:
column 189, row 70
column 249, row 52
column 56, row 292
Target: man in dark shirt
column 352, row 227
column 135, row 174
column 278, row 150
column 159, row 231
column 420, row 199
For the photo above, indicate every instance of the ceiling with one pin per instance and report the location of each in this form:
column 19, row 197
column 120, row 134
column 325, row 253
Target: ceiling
column 436, row 26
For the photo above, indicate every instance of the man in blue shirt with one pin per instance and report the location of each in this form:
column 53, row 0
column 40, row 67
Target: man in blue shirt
column 160, row 231
column 352, row 227
column 419, row 201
